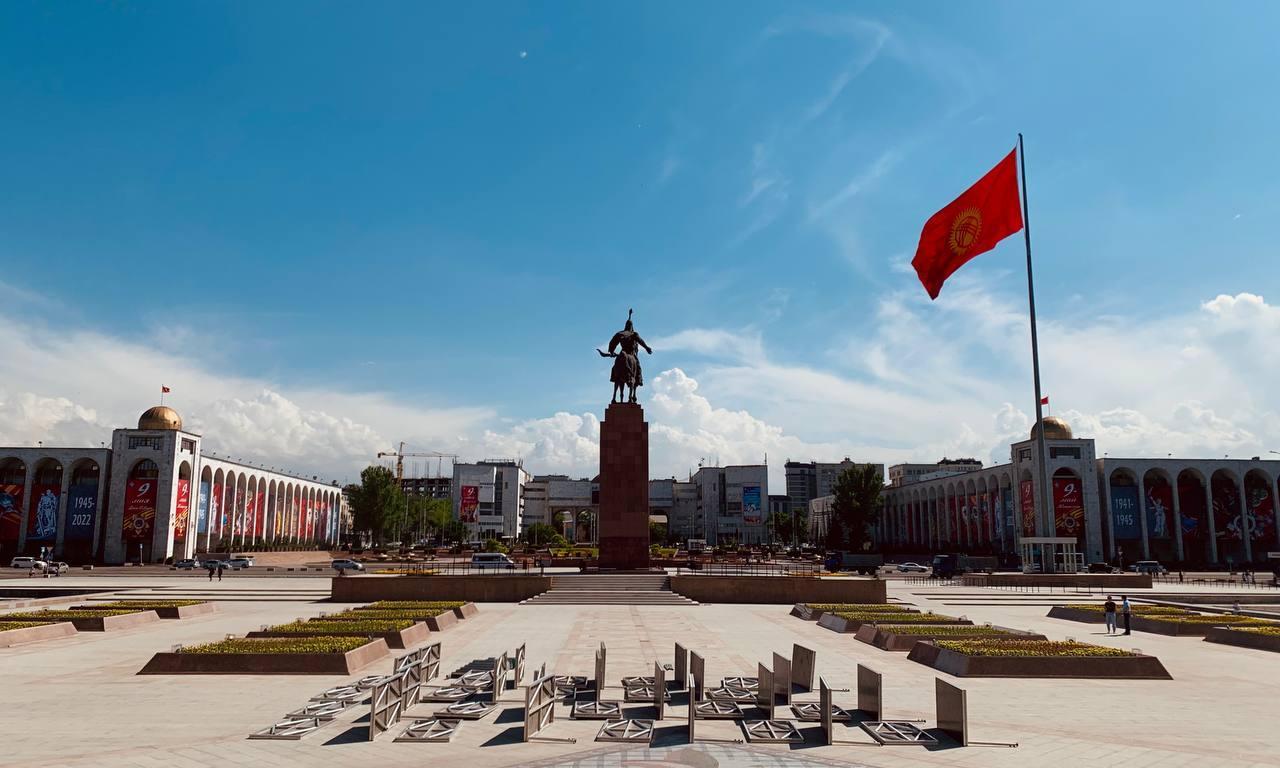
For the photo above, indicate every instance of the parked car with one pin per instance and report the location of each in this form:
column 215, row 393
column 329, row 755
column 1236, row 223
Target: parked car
column 27, row 563
column 236, row 563
column 186, row 564
column 1148, row 566
column 58, row 567
column 345, row 564
column 491, row 560
column 1103, row 568
column 912, row 568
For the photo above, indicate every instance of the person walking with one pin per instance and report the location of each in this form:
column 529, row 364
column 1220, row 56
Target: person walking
column 211, row 568
column 1127, row 611
column 220, row 567
column 1109, row 612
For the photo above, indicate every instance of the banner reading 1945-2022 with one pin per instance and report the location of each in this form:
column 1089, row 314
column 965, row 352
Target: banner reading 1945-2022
column 82, row 511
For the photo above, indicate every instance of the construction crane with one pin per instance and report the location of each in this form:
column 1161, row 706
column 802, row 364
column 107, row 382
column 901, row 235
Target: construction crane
column 400, row 456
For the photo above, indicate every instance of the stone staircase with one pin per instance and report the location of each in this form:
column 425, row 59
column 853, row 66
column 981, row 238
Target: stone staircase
column 610, row 589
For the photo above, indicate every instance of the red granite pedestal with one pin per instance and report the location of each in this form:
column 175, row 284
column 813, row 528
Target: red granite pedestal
column 624, row 488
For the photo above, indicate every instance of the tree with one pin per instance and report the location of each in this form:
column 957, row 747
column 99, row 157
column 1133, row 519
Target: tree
column 855, row 506
column 454, row 531
column 377, row 503
column 540, row 534
column 657, row 533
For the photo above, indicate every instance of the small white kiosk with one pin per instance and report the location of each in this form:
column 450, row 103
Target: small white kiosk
column 1050, row 554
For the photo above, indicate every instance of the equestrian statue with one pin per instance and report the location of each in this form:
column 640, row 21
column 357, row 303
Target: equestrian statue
column 625, row 348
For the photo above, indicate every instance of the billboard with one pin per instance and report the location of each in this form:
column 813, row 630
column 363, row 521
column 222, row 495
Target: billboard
column 1124, row 512
column 182, row 508
column 751, row 504
column 82, row 511
column 202, row 508
column 1028, row 489
column 1068, row 507
column 1159, row 511
column 139, row 509
column 42, row 518
column 1262, row 512
column 10, row 511
column 467, row 510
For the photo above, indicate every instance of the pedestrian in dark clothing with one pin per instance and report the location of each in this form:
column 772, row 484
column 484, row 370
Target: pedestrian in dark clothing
column 220, row 579
column 211, row 570
column 1126, row 610
column 1109, row 613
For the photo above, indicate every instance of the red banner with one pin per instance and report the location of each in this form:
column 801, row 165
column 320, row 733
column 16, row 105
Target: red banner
column 139, row 509
column 1028, row 508
column 1262, row 512
column 260, row 513
column 1068, row 507
column 42, row 518
column 10, row 511
column 470, row 504
column 1226, row 510
column 182, row 510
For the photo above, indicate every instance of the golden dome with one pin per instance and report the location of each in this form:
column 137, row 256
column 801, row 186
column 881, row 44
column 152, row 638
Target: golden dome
column 1055, row 429
column 160, row 417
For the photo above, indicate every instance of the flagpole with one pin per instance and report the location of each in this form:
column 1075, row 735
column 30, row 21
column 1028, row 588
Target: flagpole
column 1045, row 509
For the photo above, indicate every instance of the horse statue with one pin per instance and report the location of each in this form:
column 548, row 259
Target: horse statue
column 625, row 348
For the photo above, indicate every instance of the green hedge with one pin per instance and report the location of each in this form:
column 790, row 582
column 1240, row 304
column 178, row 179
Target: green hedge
column 365, row 615
column 324, row 625
column 440, row 605
column 66, row 615
column 147, row 605
column 1197, row 618
column 847, row 607
column 1257, row 630
column 1143, row 610
column 319, row 644
column 6, row 625
column 886, row 617
column 967, row 630
column 1030, row 648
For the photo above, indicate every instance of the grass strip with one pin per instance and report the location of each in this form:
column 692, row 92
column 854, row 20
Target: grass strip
column 246, row 645
column 1031, row 648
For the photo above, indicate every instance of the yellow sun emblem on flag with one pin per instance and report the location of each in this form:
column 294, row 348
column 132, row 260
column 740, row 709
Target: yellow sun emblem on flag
column 965, row 230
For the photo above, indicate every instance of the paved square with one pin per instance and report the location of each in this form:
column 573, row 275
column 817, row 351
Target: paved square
column 78, row 702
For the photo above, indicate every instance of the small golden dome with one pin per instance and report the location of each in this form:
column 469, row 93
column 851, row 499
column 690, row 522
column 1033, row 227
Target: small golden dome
column 1055, row 429
column 160, row 417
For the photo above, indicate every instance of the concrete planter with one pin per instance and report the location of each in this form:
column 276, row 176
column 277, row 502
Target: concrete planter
column 1103, row 667
column 466, row 610
column 405, row 638
column 113, row 623
column 443, row 621
column 175, row 611
column 24, row 635
column 486, row 588
column 778, row 589
column 802, row 611
column 1228, row 636
column 888, row 641
column 840, row 624
column 266, row 663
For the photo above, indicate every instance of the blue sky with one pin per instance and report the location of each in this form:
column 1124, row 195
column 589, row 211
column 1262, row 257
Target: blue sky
column 443, row 209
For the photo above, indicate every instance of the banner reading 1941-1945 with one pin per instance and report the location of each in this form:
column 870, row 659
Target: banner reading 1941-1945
column 1124, row 512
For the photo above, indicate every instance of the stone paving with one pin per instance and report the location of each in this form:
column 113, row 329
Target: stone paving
column 78, row 702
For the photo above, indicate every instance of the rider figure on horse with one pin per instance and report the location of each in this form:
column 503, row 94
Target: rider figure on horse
column 625, row 348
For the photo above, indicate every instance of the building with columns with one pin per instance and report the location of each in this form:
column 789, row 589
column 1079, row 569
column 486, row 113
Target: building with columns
column 1188, row 512
column 155, row 495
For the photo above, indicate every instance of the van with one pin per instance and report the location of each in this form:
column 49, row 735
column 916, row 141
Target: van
column 1148, row 566
column 491, row 560
column 27, row 563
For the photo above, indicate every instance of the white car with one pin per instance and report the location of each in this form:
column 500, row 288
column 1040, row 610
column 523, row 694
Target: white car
column 912, row 568
column 492, row 560
column 27, row 563
column 236, row 563
column 344, row 564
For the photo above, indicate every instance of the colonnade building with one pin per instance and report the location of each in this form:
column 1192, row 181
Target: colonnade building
column 135, row 500
column 1190, row 512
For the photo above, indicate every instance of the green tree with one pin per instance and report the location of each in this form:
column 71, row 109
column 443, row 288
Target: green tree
column 377, row 503
column 657, row 533
column 540, row 534
column 855, row 506
column 427, row 516
column 454, row 531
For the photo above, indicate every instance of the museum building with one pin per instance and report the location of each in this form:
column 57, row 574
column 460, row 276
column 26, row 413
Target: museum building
column 1193, row 512
column 52, row 500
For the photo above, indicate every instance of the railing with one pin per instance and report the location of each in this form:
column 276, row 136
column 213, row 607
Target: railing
column 738, row 568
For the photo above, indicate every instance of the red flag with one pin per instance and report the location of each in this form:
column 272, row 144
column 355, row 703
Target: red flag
column 1044, row 400
column 973, row 223
column 164, row 390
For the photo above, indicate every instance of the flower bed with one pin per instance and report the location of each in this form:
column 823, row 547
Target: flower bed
column 985, row 657
column 22, row 632
column 1256, row 637
column 1195, row 625
column 850, row 621
column 461, row 610
column 1145, row 610
column 815, row 611
column 165, row 609
column 90, row 620
column 903, row 637
column 323, row 655
column 398, row 633
column 1093, row 614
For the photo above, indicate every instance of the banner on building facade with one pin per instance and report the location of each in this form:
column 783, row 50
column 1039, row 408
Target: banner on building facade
column 1068, row 507
column 975, row 519
column 82, row 511
column 467, row 512
column 1226, row 511
column 202, row 508
column 1191, row 504
column 10, row 511
column 1262, row 511
column 260, row 513
column 139, row 509
column 182, row 508
column 1028, row 490
column 215, row 509
column 1159, row 511
column 42, row 518
column 1124, row 512
column 751, row 504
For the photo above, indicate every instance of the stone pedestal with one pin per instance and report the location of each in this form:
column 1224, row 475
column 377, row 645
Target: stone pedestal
column 624, row 488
